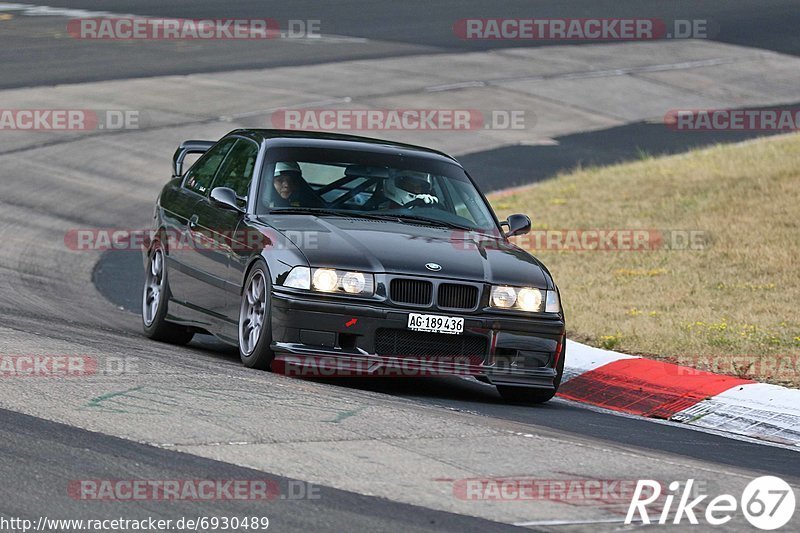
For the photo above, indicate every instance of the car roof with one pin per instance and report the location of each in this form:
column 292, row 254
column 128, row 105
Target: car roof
column 314, row 139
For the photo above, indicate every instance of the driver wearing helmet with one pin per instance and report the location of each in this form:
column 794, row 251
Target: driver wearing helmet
column 408, row 189
column 288, row 185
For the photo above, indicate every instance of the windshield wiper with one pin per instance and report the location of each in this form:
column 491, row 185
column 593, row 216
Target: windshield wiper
column 434, row 222
column 335, row 212
column 310, row 211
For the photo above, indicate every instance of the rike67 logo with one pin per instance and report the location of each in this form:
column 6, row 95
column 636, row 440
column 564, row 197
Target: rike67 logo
column 768, row 503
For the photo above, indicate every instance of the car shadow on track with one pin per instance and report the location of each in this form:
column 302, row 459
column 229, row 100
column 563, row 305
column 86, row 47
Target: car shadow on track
column 450, row 389
column 432, row 388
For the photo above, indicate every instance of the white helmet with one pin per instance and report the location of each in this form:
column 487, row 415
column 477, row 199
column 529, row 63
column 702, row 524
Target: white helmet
column 286, row 166
column 407, row 186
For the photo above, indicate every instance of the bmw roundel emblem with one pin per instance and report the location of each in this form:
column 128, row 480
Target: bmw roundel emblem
column 433, row 266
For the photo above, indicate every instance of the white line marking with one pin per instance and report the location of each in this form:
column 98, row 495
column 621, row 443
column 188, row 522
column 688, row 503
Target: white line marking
column 573, row 522
column 304, row 105
column 32, row 10
column 685, row 65
column 47, row 11
column 451, row 86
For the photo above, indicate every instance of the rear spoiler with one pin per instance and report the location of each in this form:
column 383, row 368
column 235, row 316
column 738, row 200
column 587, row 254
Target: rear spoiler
column 188, row 147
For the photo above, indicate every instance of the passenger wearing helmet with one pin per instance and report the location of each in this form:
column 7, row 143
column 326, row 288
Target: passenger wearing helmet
column 291, row 190
column 408, row 189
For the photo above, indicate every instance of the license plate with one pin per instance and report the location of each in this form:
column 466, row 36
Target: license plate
column 451, row 325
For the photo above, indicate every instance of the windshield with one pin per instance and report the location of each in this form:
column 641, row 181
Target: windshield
column 369, row 184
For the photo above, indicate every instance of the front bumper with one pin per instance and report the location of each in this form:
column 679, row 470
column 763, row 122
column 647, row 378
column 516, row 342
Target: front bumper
column 314, row 337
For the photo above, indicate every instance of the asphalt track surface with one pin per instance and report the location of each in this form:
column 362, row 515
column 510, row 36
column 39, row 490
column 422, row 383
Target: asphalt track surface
column 48, row 302
column 64, row 454
column 37, row 50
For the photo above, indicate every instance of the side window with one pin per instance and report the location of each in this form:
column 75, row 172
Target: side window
column 237, row 170
column 199, row 177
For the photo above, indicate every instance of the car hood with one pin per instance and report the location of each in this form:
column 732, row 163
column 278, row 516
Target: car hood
column 405, row 248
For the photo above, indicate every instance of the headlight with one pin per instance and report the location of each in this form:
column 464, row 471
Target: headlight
column 503, row 296
column 354, row 282
column 527, row 299
column 298, row 278
column 331, row 281
column 325, row 280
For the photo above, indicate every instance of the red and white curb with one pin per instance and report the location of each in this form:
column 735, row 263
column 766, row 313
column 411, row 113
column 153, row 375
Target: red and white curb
column 656, row 389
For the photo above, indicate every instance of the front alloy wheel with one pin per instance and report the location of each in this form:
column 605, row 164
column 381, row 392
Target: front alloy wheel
column 255, row 334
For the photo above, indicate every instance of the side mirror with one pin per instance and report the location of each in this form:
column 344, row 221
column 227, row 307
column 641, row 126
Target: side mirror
column 225, row 198
column 518, row 225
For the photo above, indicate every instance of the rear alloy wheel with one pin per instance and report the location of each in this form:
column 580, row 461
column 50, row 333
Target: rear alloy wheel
column 529, row 395
column 155, row 297
column 255, row 329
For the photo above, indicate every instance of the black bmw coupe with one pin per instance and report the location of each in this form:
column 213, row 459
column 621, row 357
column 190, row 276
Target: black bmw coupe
column 325, row 254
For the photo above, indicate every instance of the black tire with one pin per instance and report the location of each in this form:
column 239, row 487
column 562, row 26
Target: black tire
column 154, row 306
column 525, row 395
column 256, row 353
column 529, row 395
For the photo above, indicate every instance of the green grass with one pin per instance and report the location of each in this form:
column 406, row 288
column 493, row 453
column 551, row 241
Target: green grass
column 733, row 305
